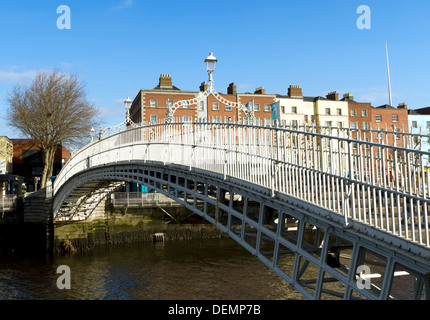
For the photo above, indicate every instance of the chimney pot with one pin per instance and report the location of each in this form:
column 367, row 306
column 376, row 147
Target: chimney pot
column 165, row 81
column 348, row 96
column 333, row 96
column 203, row 86
column 295, row 91
column 260, row 90
column 232, row 88
column 402, row 105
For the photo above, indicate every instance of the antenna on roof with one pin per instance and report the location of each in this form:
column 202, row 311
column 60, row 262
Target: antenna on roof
column 388, row 71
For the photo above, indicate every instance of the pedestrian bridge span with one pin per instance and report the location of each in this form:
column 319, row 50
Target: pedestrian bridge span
column 312, row 203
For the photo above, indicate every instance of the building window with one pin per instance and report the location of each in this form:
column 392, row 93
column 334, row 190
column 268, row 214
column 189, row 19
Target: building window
column 228, row 120
column 215, row 119
column 353, row 125
column 169, row 103
column 414, row 124
column 256, row 107
column 327, row 111
column 366, row 145
column 153, row 103
column 339, row 112
column 364, row 113
column 186, row 119
column 397, row 134
column 378, row 118
column 202, row 106
column 328, row 123
column 293, row 109
column 294, row 123
column 365, row 125
column 153, row 118
column 306, row 118
column 283, row 109
column 353, row 113
column 267, row 122
column 186, row 104
column 395, row 118
column 267, row 107
column 215, row 106
column 227, row 107
column 339, row 124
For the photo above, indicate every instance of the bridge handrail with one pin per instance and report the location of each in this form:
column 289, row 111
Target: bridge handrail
column 290, row 161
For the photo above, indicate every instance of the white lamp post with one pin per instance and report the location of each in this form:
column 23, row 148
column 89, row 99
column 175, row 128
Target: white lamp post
column 127, row 104
column 210, row 67
column 211, row 62
column 92, row 132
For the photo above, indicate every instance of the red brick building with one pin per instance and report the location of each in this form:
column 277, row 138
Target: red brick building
column 150, row 105
column 28, row 160
column 360, row 113
column 262, row 105
column 390, row 118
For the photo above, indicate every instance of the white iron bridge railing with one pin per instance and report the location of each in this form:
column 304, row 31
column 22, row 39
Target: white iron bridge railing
column 375, row 177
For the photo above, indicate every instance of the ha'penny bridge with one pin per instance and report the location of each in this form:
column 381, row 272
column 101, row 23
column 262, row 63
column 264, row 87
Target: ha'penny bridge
column 337, row 213
column 332, row 215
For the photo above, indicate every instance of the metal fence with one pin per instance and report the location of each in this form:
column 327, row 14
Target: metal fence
column 372, row 176
column 139, row 199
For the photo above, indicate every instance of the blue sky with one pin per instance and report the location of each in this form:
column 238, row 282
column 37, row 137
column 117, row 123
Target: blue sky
column 118, row 47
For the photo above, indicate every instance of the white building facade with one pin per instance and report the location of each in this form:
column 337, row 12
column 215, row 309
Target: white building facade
column 419, row 124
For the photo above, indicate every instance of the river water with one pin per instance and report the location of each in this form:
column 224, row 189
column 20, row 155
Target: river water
column 216, row 269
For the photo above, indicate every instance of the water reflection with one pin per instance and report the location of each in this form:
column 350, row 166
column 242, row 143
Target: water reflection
column 211, row 269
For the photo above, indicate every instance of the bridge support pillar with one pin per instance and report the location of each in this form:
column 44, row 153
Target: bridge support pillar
column 427, row 286
column 38, row 221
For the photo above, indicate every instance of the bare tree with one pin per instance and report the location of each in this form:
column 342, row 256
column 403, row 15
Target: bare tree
column 52, row 110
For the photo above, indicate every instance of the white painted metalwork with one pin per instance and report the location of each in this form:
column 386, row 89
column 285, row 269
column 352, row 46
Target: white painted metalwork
column 139, row 199
column 271, row 189
column 363, row 180
column 202, row 96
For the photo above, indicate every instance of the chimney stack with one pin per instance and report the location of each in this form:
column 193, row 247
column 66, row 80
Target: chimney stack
column 402, row 105
column 203, row 86
column 165, row 81
column 295, row 91
column 333, row 96
column 260, row 90
column 232, row 88
column 348, row 96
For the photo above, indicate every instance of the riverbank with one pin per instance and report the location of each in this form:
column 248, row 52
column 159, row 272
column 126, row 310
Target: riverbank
column 108, row 225
column 81, row 236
